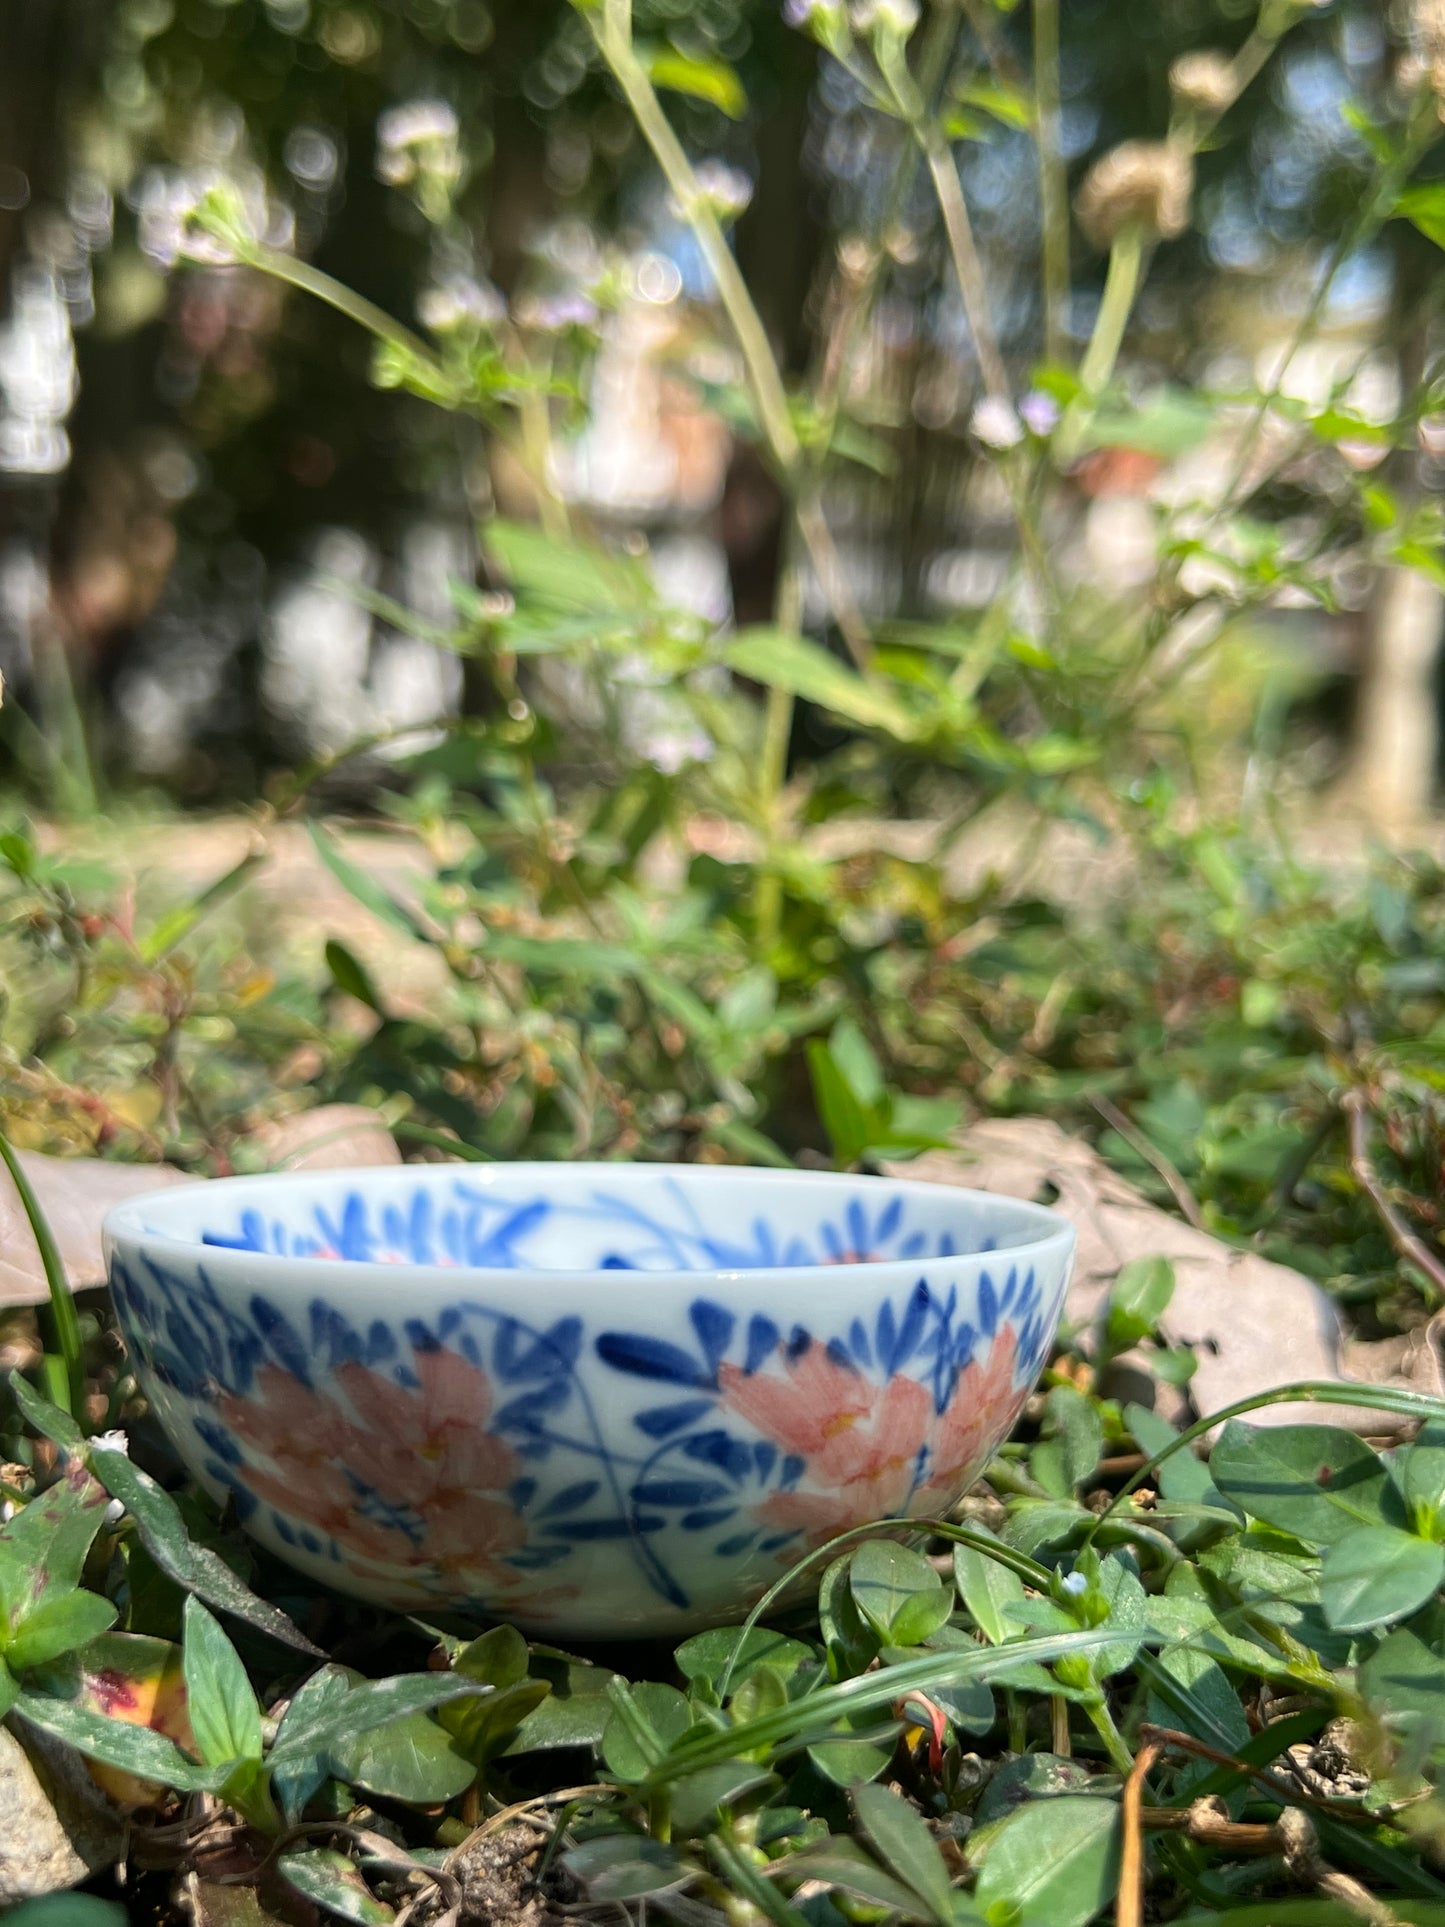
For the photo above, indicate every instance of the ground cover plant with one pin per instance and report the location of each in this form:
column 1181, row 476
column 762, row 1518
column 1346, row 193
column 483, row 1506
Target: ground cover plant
column 1184, row 1673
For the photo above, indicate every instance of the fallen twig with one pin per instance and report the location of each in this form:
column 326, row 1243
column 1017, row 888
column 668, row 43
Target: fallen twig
column 1130, row 1908
column 1413, row 1250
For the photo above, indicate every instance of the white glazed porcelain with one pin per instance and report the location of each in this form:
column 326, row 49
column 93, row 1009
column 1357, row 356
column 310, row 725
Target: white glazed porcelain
column 600, row 1400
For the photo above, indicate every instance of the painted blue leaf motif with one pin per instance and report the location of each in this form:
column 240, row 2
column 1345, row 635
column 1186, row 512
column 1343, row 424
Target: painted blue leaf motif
column 911, row 1331
column 794, row 1466
column 987, row 1304
column 729, row 1455
column 610, row 1528
column 858, row 1341
column 762, row 1341
column 661, row 1421
column 714, row 1327
column 889, row 1220
column 704, row 1521
column 352, row 1237
column 220, row 1441
column 734, row 1547
column 496, row 1247
column 765, row 1457
column 885, row 1336
column 527, row 1412
column 570, row 1498
column 859, row 1240
column 282, row 1337
column 649, row 1358
column 679, row 1492
column 798, row 1342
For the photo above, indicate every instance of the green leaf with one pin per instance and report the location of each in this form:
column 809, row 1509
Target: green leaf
column 1138, row 1300
column 1182, row 1477
column 1405, row 1675
column 58, row 1319
column 409, row 1758
column 906, row 1847
column 576, row 1711
column 699, row 1799
column 646, row 1719
column 297, row 1775
column 852, row 1126
column 1424, row 207
column 1314, row 1481
column 1376, row 1575
column 988, row 1588
column 168, row 930
column 624, row 1866
column 59, row 1626
column 332, row 1881
column 1067, row 1455
column 67, row 1910
column 197, row 1569
column 369, row 1704
column 43, row 1548
column 844, row 1864
column 710, row 80
column 134, row 1749
column 573, row 574
column 889, row 1582
column 727, row 1650
column 1056, row 1862
column 1038, row 1776
column 480, row 1729
column 348, row 973
column 498, row 1658
column 802, row 668
column 365, row 889
column 45, row 1417
column 225, row 1713
column 849, row 1763
column 1420, row 1471
column 1119, row 1584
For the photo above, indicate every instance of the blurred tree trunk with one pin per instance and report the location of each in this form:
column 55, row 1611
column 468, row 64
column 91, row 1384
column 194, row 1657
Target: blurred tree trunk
column 1392, row 773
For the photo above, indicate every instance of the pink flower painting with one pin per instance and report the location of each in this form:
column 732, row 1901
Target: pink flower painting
column 871, row 1451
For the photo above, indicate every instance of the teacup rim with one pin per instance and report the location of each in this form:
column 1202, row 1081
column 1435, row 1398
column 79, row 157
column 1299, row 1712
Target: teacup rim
column 1056, row 1237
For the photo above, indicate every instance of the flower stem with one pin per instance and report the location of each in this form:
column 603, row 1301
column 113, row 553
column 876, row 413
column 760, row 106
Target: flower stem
column 1053, row 198
column 611, row 30
column 1121, row 284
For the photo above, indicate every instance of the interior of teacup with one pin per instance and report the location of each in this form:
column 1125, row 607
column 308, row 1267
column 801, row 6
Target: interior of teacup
column 587, row 1217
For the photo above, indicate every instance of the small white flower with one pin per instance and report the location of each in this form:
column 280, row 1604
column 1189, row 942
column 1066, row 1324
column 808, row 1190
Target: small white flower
column 1203, row 80
column 1039, row 413
column 886, row 16
column 419, row 141
column 458, row 301
column 113, row 1513
column 552, row 313
column 7, row 1511
column 112, row 1442
column 1074, row 1584
column 416, row 123
column 996, row 424
column 726, row 190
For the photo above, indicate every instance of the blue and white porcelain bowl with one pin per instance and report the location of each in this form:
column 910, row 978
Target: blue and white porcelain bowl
column 600, row 1400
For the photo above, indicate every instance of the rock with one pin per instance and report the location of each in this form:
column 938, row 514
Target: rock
column 334, row 1137
column 1253, row 1324
column 76, row 1193
column 56, row 1826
